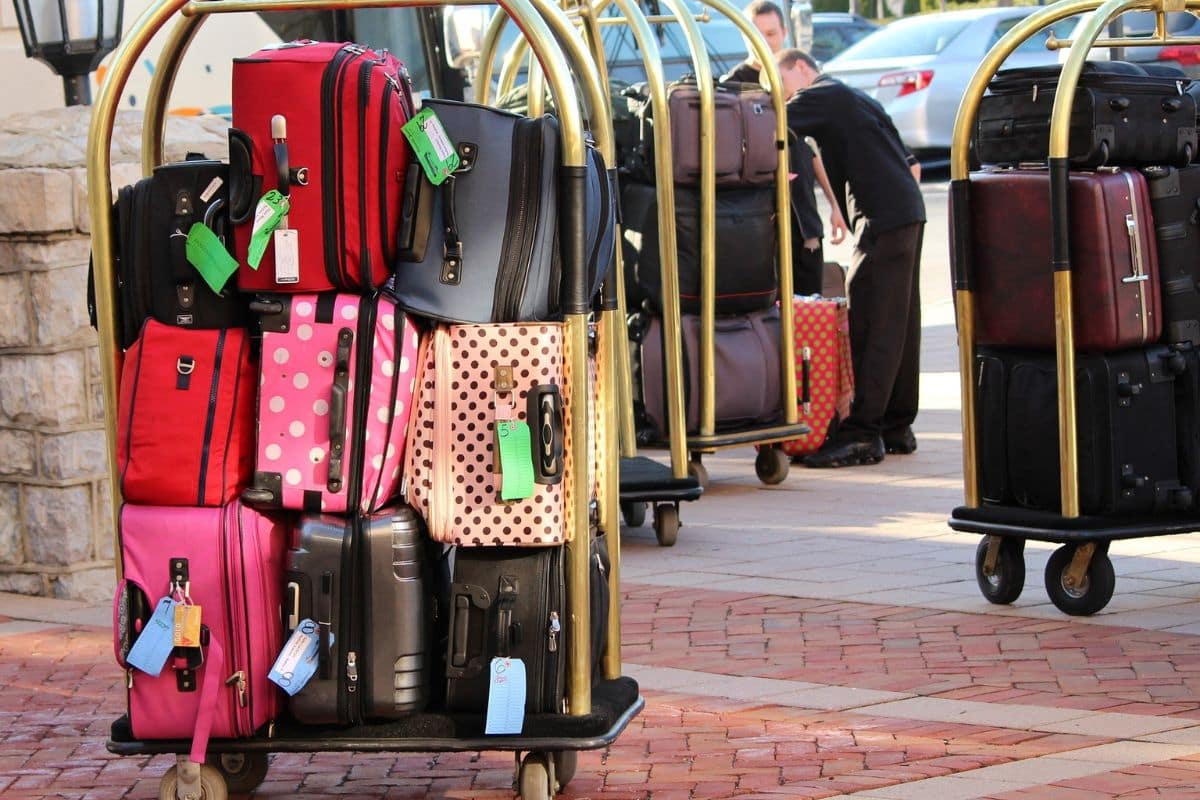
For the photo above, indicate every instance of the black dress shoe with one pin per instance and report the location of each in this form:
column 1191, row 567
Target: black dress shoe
column 846, row 454
column 900, row 443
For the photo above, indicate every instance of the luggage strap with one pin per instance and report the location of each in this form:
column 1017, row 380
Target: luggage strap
column 208, row 699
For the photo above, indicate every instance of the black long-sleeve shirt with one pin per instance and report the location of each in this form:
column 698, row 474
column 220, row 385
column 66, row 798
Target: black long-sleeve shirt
column 867, row 163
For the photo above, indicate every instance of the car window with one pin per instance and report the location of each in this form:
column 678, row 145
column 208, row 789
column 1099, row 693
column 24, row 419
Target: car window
column 1141, row 23
column 904, row 38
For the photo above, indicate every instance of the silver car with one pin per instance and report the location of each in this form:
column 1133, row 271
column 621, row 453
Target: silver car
column 918, row 67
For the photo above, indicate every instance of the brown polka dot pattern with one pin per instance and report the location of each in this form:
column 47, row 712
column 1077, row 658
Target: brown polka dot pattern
column 474, row 516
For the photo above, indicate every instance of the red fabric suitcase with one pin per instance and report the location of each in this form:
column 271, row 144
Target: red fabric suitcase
column 228, row 561
column 1114, row 259
column 185, row 424
column 822, row 327
column 344, row 106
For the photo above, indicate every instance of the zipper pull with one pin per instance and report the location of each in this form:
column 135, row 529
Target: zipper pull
column 129, row 679
column 352, row 671
column 239, row 679
column 600, row 565
column 555, row 627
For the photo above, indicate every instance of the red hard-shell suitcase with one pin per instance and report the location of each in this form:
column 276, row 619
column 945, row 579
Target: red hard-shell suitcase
column 185, row 424
column 344, row 159
column 1114, row 259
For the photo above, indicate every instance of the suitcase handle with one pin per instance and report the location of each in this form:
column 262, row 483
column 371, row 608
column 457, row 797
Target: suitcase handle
column 806, row 379
column 544, row 414
column 1137, row 273
column 337, row 411
column 463, row 598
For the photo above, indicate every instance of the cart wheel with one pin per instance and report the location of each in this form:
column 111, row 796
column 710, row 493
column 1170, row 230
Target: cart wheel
column 666, row 524
column 534, row 778
column 1092, row 595
column 212, row 785
column 698, row 471
column 634, row 513
column 243, row 772
column 771, row 465
column 565, row 764
column 1004, row 585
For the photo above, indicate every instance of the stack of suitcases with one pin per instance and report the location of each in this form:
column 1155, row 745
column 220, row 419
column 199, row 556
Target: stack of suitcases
column 344, row 409
column 747, row 327
column 1135, row 261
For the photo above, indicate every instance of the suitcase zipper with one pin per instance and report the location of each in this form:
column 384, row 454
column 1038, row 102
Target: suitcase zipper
column 398, row 328
column 330, row 163
column 365, row 280
column 349, row 701
column 1137, row 271
column 244, row 713
column 593, row 260
column 551, row 655
column 363, row 366
column 210, row 418
column 525, row 196
column 440, row 493
column 384, row 177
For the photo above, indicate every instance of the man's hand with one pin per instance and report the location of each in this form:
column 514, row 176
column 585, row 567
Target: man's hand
column 915, row 169
column 837, row 226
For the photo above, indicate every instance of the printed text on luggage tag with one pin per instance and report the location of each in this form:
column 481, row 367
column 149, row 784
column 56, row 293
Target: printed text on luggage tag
column 298, row 661
column 432, row 145
column 506, row 696
column 186, row 631
column 153, row 646
column 287, row 255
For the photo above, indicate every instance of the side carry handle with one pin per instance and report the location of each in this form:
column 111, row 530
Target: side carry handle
column 337, row 410
column 544, row 414
column 466, row 601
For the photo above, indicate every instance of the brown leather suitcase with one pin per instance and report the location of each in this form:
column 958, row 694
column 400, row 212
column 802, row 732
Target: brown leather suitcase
column 1114, row 259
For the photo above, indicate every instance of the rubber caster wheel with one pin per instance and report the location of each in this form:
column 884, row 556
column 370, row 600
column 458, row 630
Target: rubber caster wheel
column 1005, row 583
column 565, row 764
column 698, row 471
column 243, row 772
column 533, row 781
column 1092, row 594
column 771, row 465
column 666, row 524
column 634, row 514
column 212, row 785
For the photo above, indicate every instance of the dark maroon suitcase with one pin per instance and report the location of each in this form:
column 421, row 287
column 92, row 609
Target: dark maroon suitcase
column 1114, row 259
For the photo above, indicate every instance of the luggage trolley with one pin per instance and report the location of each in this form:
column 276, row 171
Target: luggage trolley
column 598, row 711
column 1079, row 576
column 642, row 480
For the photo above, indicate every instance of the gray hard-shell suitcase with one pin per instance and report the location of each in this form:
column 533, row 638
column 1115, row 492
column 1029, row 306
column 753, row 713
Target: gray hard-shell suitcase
column 363, row 581
column 484, row 246
column 746, row 348
column 506, row 602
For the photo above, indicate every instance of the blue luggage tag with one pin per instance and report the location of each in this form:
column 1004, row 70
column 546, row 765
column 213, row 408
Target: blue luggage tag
column 506, row 696
column 156, row 641
column 298, row 661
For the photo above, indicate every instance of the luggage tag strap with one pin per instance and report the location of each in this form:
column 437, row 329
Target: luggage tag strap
column 512, row 449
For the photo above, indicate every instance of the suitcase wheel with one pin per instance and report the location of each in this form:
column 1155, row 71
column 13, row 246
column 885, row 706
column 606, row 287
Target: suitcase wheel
column 205, row 783
column 258, row 497
column 266, row 307
column 1090, row 593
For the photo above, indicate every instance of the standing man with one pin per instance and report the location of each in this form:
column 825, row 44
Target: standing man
column 876, row 182
column 808, row 257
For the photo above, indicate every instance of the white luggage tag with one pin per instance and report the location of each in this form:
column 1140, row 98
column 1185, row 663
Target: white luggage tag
column 286, row 240
column 299, row 659
column 506, row 696
column 156, row 641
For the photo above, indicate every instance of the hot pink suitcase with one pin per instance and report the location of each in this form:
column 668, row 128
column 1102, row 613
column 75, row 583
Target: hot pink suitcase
column 322, row 441
column 229, row 561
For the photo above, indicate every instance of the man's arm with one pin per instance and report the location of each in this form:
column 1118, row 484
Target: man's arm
column 837, row 223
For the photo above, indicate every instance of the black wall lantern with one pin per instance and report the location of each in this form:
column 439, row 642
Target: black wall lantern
column 71, row 37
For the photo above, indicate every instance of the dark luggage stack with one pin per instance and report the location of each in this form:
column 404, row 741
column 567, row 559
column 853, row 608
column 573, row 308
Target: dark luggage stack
column 745, row 237
column 1135, row 258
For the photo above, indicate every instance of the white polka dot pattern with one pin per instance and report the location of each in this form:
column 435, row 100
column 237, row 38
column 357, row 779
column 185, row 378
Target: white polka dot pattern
column 294, row 405
column 476, row 517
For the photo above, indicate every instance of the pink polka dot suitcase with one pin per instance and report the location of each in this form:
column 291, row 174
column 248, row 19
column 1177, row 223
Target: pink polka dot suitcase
column 471, row 376
column 338, row 373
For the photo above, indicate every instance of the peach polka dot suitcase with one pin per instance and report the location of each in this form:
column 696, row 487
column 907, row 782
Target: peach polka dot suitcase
column 822, row 328
column 325, row 444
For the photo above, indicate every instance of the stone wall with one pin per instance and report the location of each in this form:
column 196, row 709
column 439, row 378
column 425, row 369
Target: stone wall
column 56, row 534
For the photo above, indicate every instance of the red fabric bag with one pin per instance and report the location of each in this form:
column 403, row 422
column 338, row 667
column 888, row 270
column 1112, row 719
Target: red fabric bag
column 343, row 107
column 185, row 426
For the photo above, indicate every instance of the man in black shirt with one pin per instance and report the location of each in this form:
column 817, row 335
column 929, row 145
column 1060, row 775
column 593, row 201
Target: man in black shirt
column 874, row 177
column 808, row 257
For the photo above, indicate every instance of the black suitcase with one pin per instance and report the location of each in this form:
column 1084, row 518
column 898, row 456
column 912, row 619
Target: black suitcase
column 364, row 582
column 745, row 246
column 506, row 602
column 1175, row 201
column 1121, row 116
column 150, row 224
column 1126, row 425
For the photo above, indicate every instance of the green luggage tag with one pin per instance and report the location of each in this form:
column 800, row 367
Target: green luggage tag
column 516, row 459
column 269, row 213
column 432, row 145
column 210, row 258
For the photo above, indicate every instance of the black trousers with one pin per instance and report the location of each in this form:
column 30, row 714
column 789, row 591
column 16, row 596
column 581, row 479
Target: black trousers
column 808, row 266
column 885, row 331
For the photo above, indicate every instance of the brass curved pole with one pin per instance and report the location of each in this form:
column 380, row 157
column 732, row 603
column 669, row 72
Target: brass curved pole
column 487, row 56
column 774, row 84
column 535, row 90
column 161, row 84
column 708, row 216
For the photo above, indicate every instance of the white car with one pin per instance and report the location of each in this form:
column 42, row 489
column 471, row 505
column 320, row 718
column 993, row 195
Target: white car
column 918, row 67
